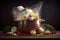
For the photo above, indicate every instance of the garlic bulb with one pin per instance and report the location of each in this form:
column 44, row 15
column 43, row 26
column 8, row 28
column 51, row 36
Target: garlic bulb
column 33, row 32
column 47, row 31
column 41, row 29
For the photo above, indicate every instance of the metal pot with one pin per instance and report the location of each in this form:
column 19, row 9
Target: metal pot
column 27, row 25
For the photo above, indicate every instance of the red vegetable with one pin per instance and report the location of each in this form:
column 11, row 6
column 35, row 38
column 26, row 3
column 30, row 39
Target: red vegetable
column 23, row 34
column 52, row 32
column 7, row 34
column 30, row 15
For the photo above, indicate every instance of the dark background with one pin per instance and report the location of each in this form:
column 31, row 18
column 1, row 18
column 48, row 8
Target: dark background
column 50, row 11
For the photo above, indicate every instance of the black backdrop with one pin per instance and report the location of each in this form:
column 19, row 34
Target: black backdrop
column 50, row 11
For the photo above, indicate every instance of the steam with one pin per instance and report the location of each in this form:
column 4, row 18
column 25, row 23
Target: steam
column 17, row 13
column 37, row 8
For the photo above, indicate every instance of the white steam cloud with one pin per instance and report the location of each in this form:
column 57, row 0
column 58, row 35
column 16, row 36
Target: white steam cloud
column 17, row 13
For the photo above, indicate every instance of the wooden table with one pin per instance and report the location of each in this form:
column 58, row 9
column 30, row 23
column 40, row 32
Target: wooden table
column 57, row 35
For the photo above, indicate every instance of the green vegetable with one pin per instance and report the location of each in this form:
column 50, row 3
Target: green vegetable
column 48, row 27
column 7, row 29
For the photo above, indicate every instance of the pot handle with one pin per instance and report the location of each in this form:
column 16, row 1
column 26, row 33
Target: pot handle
column 41, row 20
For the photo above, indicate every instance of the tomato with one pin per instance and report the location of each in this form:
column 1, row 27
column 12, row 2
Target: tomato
column 52, row 32
column 7, row 34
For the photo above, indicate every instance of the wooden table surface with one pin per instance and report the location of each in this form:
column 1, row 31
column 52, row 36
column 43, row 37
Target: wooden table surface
column 57, row 35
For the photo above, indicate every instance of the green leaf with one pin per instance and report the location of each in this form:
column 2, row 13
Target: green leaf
column 49, row 27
